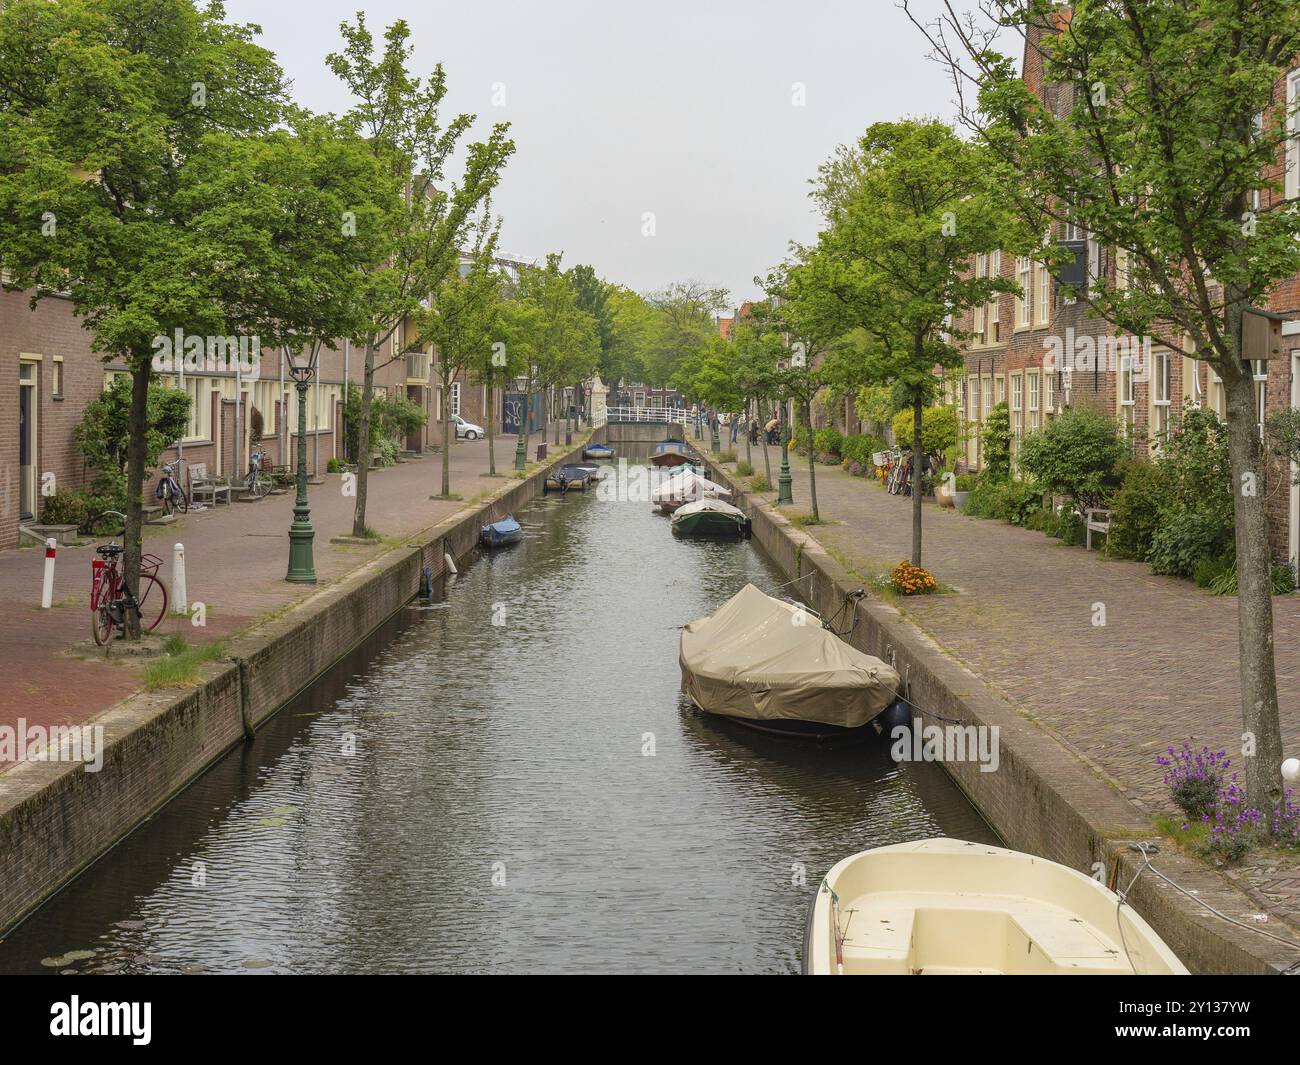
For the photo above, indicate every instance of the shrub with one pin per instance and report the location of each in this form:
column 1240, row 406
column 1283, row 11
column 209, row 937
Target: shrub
column 1224, row 581
column 828, row 441
column 760, row 483
column 335, row 465
column 744, row 469
column 938, row 429
column 965, row 482
column 1135, row 510
column 1014, row 501
column 65, row 507
column 1074, row 456
column 1195, row 507
column 1194, row 777
column 859, row 447
column 875, row 406
column 724, row 457
column 802, row 439
column 912, row 580
column 995, row 442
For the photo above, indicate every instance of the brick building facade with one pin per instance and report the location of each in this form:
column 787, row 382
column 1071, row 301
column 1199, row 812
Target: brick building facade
column 1015, row 341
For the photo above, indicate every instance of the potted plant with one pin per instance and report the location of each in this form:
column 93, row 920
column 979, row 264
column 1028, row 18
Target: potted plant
column 962, row 485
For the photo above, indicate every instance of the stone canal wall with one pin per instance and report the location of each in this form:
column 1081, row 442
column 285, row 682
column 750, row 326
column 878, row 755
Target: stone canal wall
column 56, row 819
column 641, row 432
column 1041, row 799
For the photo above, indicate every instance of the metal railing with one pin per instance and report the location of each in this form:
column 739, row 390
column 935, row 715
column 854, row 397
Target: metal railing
column 677, row 415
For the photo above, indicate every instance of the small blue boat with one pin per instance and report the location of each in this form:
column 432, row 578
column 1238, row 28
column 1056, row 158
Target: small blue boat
column 597, row 451
column 500, row 533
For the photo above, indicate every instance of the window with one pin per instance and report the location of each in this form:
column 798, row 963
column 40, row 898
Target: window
column 995, row 270
column 1259, row 375
column 1000, row 388
column 1094, row 262
column 1218, row 394
column 986, row 391
column 1017, row 407
column 1034, row 400
column 1159, row 396
column 1043, row 297
column 1049, row 395
column 958, row 399
column 1122, row 262
column 417, row 367
column 56, row 377
column 977, row 313
column 972, row 394
column 1127, row 396
column 455, row 398
column 1025, row 297
column 1293, row 131
column 200, row 427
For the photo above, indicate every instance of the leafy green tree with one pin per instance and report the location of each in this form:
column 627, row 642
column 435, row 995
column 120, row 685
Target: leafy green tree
column 905, row 220
column 112, row 119
column 397, row 114
column 685, row 324
column 1075, row 455
column 460, row 324
column 1163, row 148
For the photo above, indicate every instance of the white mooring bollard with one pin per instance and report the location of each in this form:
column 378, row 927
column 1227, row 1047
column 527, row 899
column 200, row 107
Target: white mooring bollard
column 180, row 601
column 47, row 582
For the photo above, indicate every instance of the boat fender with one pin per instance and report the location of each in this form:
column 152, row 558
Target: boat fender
column 898, row 713
column 451, row 565
column 426, row 583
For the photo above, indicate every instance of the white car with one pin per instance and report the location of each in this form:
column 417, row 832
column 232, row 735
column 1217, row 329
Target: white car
column 466, row 430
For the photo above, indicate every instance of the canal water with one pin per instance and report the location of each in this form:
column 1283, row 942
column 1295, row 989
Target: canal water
column 506, row 780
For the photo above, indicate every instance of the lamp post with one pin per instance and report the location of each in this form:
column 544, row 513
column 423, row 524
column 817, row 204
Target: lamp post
column 784, row 497
column 302, row 568
column 521, row 445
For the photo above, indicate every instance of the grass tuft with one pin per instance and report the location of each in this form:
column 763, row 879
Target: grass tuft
column 180, row 668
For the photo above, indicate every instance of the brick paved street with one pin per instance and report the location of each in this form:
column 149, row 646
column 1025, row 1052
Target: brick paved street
column 1162, row 669
column 236, row 557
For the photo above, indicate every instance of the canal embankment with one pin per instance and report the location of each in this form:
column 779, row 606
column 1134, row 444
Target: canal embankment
column 1042, row 798
column 57, row 818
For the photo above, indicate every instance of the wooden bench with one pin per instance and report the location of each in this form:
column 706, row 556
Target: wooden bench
column 203, row 485
column 1095, row 520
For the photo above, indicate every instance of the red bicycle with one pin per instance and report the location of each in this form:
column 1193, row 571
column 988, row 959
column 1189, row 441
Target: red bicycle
column 111, row 601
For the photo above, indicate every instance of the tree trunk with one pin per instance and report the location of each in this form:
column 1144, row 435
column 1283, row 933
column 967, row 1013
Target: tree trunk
column 135, row 455
column 491, row 432
column 1259, row 702
column 917, row 457
column 445, row 390
column 363, row 439
column 557, row 395
column 767, row 459
column 749, row 443
column 812, row 459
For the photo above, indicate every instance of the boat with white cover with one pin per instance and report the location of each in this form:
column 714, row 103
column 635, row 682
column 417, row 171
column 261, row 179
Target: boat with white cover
column 685, row 487
column 948, row 906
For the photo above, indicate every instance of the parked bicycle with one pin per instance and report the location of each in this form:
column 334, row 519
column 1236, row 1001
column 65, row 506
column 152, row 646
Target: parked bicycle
column 170, row 492
column 255, row 485
column 111, row 601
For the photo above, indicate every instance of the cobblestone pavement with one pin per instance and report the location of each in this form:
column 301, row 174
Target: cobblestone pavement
column 1162, row 669
column 236, row 558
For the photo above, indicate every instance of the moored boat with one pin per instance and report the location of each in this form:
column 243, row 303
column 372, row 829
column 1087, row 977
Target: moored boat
column 710, row 518
column 685, row 486
column 597, row 451
column 669, row 453
column 500, row 533
column 570, row 478
column 948, row 906
column 772, row 666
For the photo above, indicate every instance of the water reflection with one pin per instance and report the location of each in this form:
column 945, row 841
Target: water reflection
column 526, row 795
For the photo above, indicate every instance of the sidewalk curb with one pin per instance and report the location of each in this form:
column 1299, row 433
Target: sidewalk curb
column 1080, row 821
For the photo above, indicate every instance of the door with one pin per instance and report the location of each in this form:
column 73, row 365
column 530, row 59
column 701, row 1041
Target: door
column 1293, row 524
column 26, row 440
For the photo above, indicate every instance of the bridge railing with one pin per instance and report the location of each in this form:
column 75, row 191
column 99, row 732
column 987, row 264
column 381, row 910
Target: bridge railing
column 678, row 415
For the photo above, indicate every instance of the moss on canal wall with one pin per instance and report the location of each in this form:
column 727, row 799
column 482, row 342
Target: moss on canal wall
column 1042, row 799
column 56, row 818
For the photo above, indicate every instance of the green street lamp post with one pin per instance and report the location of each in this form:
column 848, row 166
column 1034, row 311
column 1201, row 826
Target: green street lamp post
column 714, row 442
column 521, row 445
column 784, row 497
column 302, row 568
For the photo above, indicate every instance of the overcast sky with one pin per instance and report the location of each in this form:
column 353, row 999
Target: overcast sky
column 682, row 109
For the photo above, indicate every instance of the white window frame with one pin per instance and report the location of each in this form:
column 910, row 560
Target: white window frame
column 1018, row 406
column 454, row 399
column 1259, row 374
column 1043, row 294
column 1035, row 398
column 1024, row 301
column 1161, row 395
column 1049, row 395
column 1292, row 153
column 1127, row 396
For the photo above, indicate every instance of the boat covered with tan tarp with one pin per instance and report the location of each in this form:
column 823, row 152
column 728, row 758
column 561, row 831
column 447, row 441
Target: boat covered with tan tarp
column 686, row 487
column 941, row 906
column 771, row 664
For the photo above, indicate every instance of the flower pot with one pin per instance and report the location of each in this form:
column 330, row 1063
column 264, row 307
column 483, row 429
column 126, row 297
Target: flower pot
column 959, row 499
column 942, row 496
